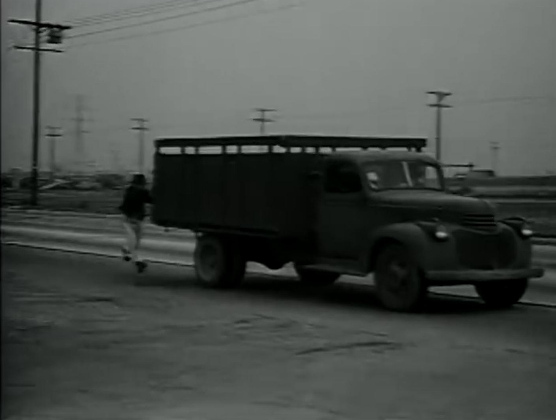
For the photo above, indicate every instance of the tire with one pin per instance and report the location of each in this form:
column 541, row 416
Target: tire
column 218, row 263
column 502, row 294
column 316, row 277
column 399, row 284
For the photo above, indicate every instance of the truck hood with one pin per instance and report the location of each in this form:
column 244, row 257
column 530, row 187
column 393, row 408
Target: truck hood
column 434, row 203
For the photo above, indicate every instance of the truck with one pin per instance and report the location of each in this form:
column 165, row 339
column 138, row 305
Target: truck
column 337, row 205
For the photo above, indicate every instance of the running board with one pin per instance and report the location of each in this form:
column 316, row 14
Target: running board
column 333, row 268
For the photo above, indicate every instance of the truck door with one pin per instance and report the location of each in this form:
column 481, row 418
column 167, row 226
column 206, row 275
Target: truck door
column 342, row 219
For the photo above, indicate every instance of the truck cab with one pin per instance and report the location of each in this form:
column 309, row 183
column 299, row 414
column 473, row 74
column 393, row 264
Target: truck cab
column 390, row 213
column 332, row 212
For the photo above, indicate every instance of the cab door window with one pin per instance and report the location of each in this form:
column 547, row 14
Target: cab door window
column 342, row 178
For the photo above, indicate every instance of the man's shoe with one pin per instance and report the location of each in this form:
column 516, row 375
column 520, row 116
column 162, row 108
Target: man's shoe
column 126, row 255
column 141, row 266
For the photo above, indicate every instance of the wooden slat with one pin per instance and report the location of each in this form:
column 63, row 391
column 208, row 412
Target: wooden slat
column 303, row 141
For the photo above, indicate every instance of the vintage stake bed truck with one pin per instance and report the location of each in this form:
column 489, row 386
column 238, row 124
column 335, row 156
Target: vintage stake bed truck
column 331, row 207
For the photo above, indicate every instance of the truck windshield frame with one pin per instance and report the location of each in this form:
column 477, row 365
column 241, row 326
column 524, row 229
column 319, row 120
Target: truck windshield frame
column 402, row 174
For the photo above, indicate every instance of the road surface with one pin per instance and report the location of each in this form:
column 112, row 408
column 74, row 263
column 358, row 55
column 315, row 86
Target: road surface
column 103, row 236
column 85, row 337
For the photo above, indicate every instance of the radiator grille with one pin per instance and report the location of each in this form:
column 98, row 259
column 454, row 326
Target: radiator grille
column 484, row 222
column 484, row 252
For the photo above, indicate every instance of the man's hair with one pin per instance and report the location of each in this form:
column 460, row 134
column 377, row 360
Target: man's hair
column 138, row 179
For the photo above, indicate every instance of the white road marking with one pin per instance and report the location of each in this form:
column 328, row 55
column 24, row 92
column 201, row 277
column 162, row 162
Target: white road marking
column 10, row 233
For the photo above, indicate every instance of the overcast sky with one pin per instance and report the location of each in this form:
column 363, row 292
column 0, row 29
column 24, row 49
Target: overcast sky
column 329, row 66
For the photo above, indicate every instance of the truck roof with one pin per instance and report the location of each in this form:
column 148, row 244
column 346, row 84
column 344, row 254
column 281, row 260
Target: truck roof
column 387, row 155
column 298, row 140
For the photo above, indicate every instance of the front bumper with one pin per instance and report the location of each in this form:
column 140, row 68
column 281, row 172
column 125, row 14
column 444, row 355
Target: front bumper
column 447, row 277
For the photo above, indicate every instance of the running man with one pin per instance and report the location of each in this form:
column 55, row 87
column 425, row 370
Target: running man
column 133, row 210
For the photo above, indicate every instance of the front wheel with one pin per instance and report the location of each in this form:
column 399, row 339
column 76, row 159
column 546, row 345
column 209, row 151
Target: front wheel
column 502, row 294
column 218, row 263
column 399, row 284
column 315, row 277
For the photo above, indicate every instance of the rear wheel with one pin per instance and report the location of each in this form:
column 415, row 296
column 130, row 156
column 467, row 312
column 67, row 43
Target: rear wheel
column 399, row 284
column 315, row 277
column 218, row 263
column 502, row 294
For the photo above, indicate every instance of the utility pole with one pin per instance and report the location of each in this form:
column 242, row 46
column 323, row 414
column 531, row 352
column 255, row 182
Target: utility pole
column 494, row 148
column 262, row 119
column 141, row 128
column 53, row 135
column 54, row 36
column 439, row 105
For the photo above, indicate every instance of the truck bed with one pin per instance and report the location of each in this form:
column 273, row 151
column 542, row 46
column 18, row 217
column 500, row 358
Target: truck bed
column 267, row 194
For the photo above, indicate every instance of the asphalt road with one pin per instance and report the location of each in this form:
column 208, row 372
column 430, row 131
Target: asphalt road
column 85, row 337
column 103, row 236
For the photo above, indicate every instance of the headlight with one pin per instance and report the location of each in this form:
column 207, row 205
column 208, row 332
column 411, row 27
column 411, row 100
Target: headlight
column 435, row 229
column 520, row 226
column 526, row 232
column 441, row 233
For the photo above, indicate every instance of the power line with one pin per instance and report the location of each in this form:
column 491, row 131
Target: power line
column 508, row 100
column 184, row 28
column 165, row 9
column 131, row 12
column 328, row 115
column 178, row 16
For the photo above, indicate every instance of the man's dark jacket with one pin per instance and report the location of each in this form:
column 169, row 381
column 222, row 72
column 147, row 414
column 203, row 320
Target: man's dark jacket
column 133, row 205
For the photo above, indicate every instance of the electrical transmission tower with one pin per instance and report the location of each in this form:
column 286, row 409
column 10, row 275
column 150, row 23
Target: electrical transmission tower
column 79, row 145
column 54, row 34
column 141, row 128
column 115, row 155
column 439, row 105
column 53, row 135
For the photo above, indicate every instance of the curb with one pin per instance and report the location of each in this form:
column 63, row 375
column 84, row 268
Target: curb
column 544, row 241
column 19, row 210
column 546, row 264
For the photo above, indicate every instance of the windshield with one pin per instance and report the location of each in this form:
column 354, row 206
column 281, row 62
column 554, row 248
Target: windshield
column 400, row 174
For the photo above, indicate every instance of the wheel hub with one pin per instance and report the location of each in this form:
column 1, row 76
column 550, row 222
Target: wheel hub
column 209, row 261
column 397, row 275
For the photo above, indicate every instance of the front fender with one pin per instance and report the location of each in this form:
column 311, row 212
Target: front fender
column 427, row 251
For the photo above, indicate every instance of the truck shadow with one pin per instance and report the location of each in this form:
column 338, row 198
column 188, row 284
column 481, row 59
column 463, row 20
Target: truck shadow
column 356, row 296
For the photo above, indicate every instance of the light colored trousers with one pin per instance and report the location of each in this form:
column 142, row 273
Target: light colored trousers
column 134, row 232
